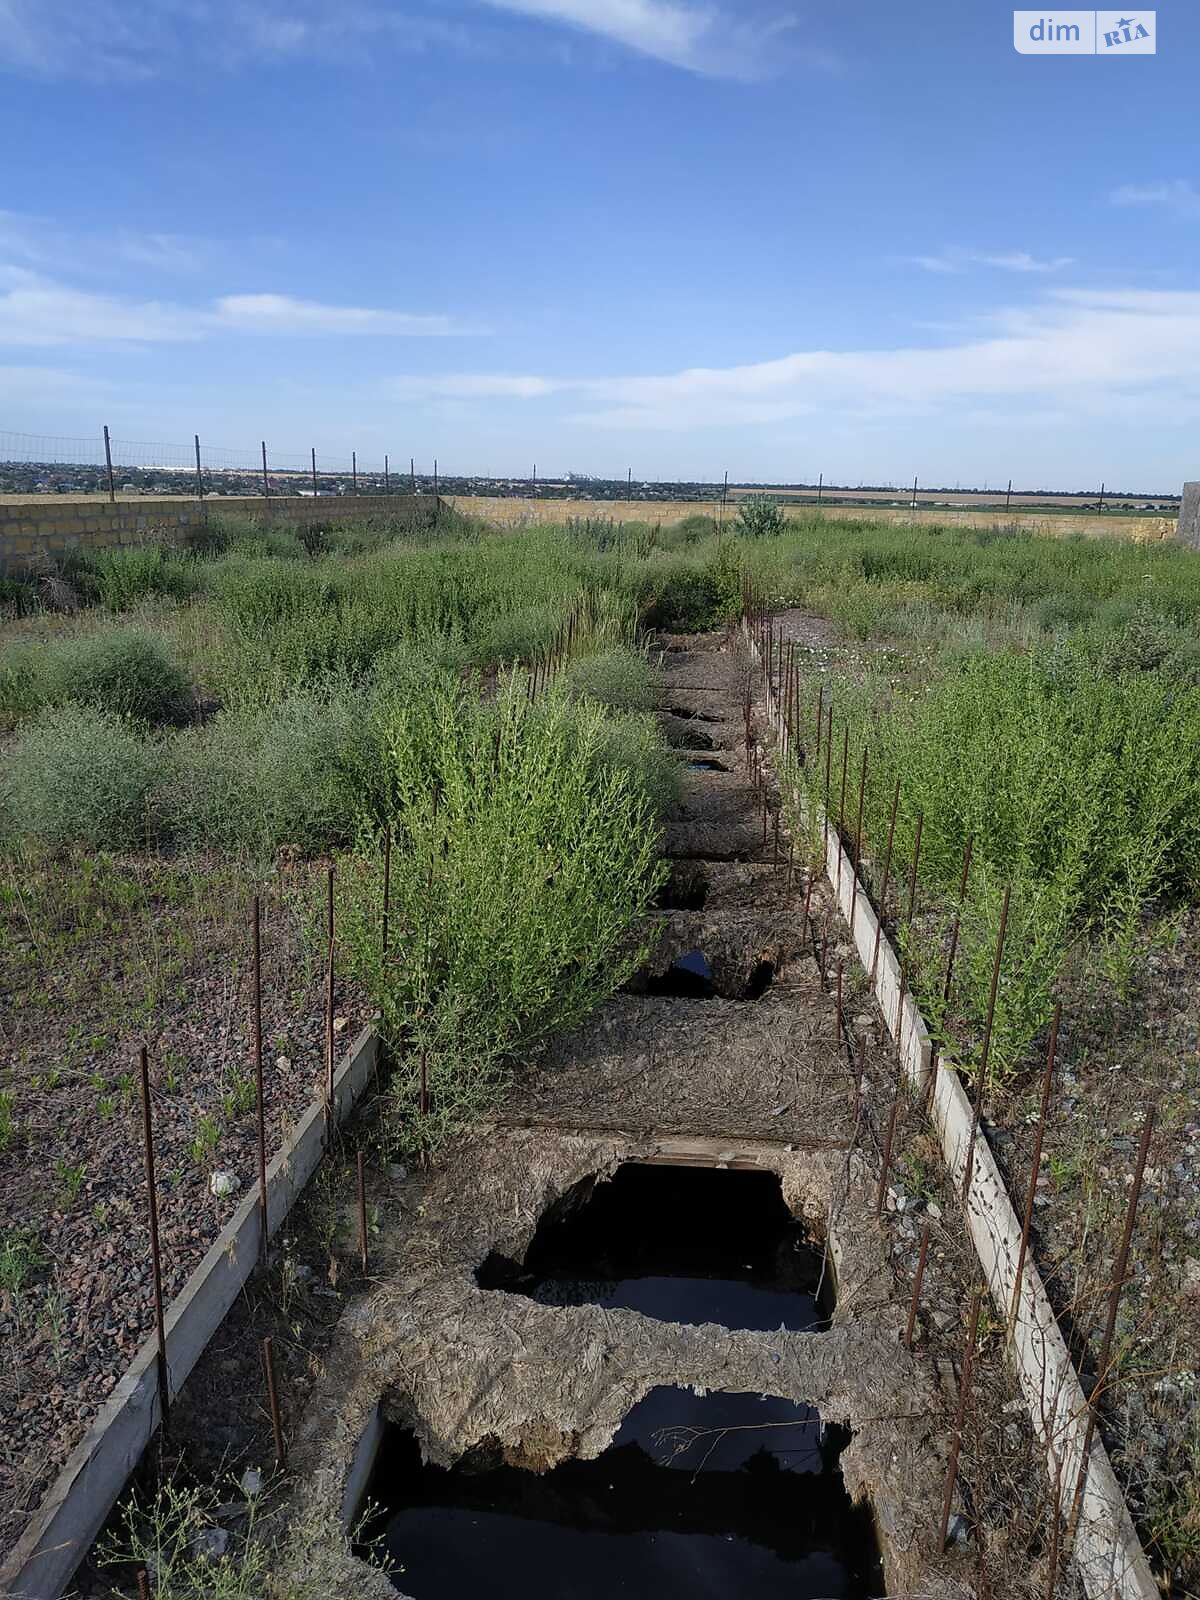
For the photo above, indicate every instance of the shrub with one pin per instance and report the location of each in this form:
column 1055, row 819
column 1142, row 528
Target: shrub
column 78, row 775
column 123, row 577
column 122, row 671
column 523, row 858
column 760, row 518
column 621, row 679
column 683, row 596
column 257, row 778
column 22, row 669
column 1079, row 788
column 18, row 597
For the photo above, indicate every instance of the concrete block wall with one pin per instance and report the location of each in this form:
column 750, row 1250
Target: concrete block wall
column 35, row 529
column 1189, row 516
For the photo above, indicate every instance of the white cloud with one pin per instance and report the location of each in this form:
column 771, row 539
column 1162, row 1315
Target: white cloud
column 38, row 311
column 134, row 40
column 1084, row 350
column 1177, row 194
column 280, row 313
column 1004, row 261
column 700, row 38
column 54, row 246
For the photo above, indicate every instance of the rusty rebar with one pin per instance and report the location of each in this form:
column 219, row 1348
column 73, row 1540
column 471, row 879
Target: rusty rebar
column 160, row 1327
column 956, row 925
column 1110, row 1327
column 143, row 1583
column 329, row 1009
column 424, row 1102
column 820, row 716
column 362, row 1212
column 776, row 826
column 1035, row 1168
column 856, row 1103
column 985, row 1051
column 862, row 792
column 828, row 751
column 845, row 764
column 268, row 1357
column 805, row 918
column 387, row 889
column 887, row 873
column 912, row 872
column 885, row 1160
column 964, row 1388
column 839, row 1020
column 260, row 1098
column 915, row 1302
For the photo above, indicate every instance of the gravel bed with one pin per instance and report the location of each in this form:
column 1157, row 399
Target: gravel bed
column 76, row 1299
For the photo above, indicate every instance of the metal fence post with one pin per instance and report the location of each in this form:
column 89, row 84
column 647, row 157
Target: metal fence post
column 314, row 469
column 199, row 476
column 112, row 493
column 266, row 483
column 354, row 471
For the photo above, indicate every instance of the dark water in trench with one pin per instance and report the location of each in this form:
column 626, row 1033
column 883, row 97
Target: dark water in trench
column 674, row 1507
column 680, row 1244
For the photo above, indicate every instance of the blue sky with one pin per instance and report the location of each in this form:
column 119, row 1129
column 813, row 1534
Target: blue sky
column 864, row 239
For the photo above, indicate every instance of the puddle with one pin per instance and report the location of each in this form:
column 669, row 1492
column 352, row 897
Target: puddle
column 725, row 1494
column 689, row 977
column 679, row 1244
column 708, row 764
column 687, row 715
column 686, row 889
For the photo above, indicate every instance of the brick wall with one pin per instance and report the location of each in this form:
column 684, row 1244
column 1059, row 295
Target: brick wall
column 35, row 528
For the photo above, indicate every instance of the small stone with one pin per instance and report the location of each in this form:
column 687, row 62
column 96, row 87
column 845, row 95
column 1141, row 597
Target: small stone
column 959, row 1531
column 210, row 1544
column 251, row 1482
column 283, row 1062
column 339, row 1024
column 933, row 1210
column 221, row 1184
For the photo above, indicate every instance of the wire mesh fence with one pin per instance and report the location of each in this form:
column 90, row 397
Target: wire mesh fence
column 105, row 463
column 108, row 464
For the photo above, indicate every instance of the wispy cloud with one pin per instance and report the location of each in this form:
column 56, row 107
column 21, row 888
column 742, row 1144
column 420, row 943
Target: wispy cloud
column 1084, row 350
column 1002, row 261
column 132, row 40
column 52, row 246
column 1179, row 195
column 38, row 311
column 700, row 38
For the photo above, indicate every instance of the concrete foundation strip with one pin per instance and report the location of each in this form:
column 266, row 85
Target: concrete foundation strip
column 1110, row 1558
column 74, row 1508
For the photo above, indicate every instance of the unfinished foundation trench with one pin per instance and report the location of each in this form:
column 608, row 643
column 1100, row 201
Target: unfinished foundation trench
column 652, row 1326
